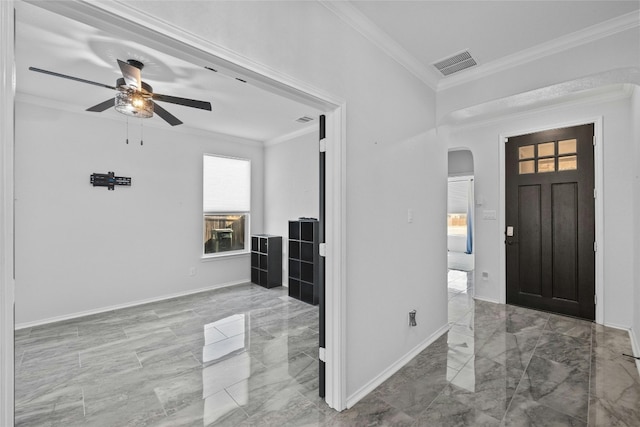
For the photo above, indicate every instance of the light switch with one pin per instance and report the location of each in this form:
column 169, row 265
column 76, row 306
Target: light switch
column 409, row 216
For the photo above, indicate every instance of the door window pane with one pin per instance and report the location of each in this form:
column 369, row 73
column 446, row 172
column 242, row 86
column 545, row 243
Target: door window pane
column 526, row 152
column 546, row 165
column 566, row 163
column 547, row 149
column 568, row 146
column 528, row 166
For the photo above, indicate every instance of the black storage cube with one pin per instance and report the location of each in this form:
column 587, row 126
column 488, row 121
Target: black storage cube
column 266, row 260
column 304, row 260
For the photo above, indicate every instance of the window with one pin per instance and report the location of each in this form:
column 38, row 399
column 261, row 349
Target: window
column 226, row 204
column 566, row 157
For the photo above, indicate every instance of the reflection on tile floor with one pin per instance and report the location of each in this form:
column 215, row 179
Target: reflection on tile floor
column 244, row 356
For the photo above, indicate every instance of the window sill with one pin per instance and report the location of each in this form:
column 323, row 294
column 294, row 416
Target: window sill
column 223, row 255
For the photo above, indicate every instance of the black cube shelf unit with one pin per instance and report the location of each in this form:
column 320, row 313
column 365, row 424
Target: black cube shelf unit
column 304, row 256
column 266, row 260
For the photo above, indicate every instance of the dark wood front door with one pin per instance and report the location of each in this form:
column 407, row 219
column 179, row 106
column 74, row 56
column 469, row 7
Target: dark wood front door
column 550, row 219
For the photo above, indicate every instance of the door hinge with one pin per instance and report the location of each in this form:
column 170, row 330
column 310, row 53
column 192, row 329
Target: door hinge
column 322, row 352
column 595, row 193
column 595, row 300
column 322, row 247
column 595, row 246
column 594, row 140
column 323, row 145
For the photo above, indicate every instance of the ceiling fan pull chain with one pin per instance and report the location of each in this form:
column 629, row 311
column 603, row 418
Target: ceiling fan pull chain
column 141, row 132
column 127, row 131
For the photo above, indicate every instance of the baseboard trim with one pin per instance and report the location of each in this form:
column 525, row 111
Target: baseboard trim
column 635, row 346
column 485, row 299
column 395, row 367
column 125, row 305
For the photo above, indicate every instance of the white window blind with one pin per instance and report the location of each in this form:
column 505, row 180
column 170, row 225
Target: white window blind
column 226, row 184
column 458, row 201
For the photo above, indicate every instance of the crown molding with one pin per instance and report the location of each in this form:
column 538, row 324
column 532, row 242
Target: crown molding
column 560, row 44
column 359, row 22
column 121, row 16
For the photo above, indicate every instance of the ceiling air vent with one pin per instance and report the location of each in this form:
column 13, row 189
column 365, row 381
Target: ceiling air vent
column 304, row 119
column 455, row 63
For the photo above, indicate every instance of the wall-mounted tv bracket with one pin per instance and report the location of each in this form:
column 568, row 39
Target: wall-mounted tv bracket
column 109, row 180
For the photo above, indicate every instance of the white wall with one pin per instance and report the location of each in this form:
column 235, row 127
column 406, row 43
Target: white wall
column 291, row 184
column 635, row 114
column 81, row 248
column 619, row 171
column 460, row 163
column 393, row 164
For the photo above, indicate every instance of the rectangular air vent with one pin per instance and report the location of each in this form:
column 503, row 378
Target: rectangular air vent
column 304, row 119
column 455, row 63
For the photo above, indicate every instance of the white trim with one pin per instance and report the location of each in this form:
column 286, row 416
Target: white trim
column 560, row 44
column 291, row 135
column 599, row 205
column 635, row 346
column 394, row 367
column 127, row 305
column 359, row 22
column 335, row 259
column 485, row 299
column 7, row 94
column 123, row 18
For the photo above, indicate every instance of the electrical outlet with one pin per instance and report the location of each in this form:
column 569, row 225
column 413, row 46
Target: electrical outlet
column 192, row 271
column 485, row 275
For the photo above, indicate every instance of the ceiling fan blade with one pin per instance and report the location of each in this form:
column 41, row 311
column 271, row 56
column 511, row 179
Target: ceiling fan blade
column 102, row 106
column 77, row 79
column 131, row 74
column 203, row 105
column 167, row 116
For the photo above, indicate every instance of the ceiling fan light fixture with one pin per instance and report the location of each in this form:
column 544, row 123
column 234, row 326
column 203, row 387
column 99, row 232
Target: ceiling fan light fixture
column 134, row 104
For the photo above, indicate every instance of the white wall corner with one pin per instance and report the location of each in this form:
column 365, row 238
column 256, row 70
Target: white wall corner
column 394, row 367
column 635, row 346
column 359, row 22
column 7, row 93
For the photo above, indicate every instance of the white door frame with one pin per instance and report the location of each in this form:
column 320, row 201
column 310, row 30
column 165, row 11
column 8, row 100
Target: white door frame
column 598, row 162
column 7, row 93
column 109, row 15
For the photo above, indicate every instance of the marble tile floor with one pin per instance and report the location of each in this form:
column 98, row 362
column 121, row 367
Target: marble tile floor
column 246, row 356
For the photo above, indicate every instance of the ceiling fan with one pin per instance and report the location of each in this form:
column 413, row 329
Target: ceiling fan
column 133, row 96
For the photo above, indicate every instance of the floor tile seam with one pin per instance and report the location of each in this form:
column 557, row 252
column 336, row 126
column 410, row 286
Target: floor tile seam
column 244, row 411
column 524, row 372
column 570, row 367
column 84, row 407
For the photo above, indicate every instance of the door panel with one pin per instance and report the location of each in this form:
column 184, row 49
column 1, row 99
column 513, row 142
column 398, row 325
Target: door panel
column 550, row 205
column 530, row 240
column 565, row 230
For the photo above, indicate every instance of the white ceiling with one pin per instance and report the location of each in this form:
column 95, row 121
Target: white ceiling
column 52, row 42
column 490, row 30
column 418, row 32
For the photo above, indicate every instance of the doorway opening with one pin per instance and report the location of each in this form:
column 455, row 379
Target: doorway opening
column 334, row 188
column 460, row 231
